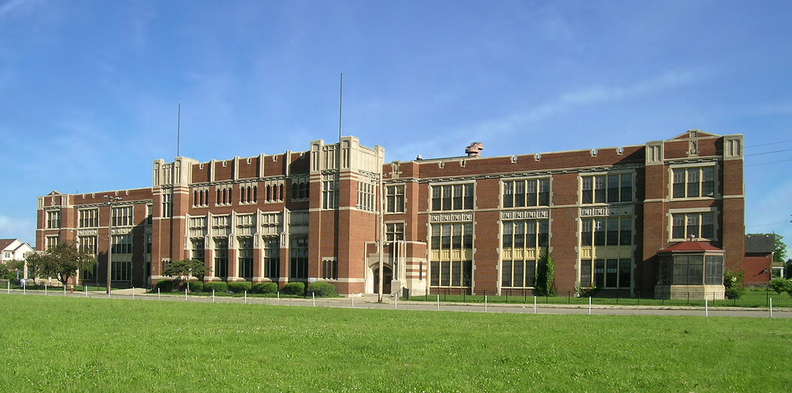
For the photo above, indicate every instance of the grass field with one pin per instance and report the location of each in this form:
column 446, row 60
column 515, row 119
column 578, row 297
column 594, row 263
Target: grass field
column 99, row 345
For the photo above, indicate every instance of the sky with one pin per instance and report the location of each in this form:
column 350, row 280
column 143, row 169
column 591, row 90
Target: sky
column 90, row 90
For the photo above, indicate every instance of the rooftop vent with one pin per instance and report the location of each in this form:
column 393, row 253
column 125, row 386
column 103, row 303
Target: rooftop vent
column 474, row 150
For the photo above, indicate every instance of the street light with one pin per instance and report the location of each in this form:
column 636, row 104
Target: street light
column 110, row 201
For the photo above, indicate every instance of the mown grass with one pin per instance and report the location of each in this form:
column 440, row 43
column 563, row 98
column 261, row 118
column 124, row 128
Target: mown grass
column 109, row 345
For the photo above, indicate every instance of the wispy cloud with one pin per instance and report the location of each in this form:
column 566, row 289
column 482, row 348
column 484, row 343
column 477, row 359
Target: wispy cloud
column 8, row 9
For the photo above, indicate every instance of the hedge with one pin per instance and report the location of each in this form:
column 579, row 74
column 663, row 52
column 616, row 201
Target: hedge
column 322, row 289
column 217, row 286
column 195, row 286
column 239, row 286
column 164, row 285
column 265, row 287
column 294, row 288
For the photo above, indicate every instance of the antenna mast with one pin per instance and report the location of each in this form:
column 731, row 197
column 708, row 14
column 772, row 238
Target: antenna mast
column 178, row 129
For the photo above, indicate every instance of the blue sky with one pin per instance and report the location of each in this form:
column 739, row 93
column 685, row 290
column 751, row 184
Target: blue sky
column 89, row 89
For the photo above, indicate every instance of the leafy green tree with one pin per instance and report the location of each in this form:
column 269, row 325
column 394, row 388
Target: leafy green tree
column 187, row 267
column 9, row 268
column 62, row 262
column 733, row 282
column 545, row 276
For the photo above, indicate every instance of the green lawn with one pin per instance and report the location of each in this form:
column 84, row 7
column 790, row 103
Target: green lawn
column 78, row 344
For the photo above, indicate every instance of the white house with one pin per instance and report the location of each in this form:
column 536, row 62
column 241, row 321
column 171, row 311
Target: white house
column 14, row 249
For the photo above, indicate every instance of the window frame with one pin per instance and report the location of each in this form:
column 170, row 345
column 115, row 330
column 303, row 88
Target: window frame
column 680, row 184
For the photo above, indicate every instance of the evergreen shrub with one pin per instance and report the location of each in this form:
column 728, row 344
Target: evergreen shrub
column 217, row 286
column 294, row 288
column 265, row 287
column 239, row 286
column 164, row 285
column 322, row 289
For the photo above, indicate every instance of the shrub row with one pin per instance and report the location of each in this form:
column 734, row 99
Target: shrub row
column 321, row 289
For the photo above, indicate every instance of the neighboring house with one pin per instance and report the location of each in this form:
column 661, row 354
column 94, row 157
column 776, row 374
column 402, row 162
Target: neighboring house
column 14, row 249
column 758, row 262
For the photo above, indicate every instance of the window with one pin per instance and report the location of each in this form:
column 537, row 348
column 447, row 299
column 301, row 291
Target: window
column 224, row 195
column 394, row 198
column 121, row 271
column 365, row 195
column 197, row 249
column 690, row 269
column 694, row 182
column 452, row 246
column 693, row 225
column 452, row 197
column 88, row 218
column 88, row 244
column 53, row 219
column 122, row 216
column 245, row 266
column 248, row 193
column 271, row 254
column 610, row 231
column 221, row 257
column 300, row 188
column 713, row 269
column 201, row 197
column 330, row 192
column 394, row 231
column 298, row 266
column 526, row 193
column 330, row 269
column 606, row 188
column 608, row 273
column 167, row 205
column 122, row 244
column 149, row 213
column 148, row 244
column 519, row 249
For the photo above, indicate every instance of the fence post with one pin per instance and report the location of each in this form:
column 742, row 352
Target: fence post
column 706, row 306
column 64, row 290
column 438, row 302
column 534, row 304
column 589, row 311
column 396, row 302
column 158, row 293
column 771, row 307
column 213, row 295
column 485, row 303
column 133, row 292
column 86, row 290
column 313, row 298
column 246, row 297
column 185, row 294
column 278, row 294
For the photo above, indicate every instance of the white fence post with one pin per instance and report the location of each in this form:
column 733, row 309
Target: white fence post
column 771, row 307
column 534, row 304
column 589, row 305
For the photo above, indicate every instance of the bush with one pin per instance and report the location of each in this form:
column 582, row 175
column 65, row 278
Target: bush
column 265, row 287
column 781, row 285
column 294, row 288
column 322, row 289
column 164, row 285
column 195, row 286
column 217, row 286
column 239, row 286
column 733, row 282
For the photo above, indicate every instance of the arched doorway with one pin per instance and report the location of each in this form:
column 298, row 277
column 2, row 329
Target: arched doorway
column 387, row 278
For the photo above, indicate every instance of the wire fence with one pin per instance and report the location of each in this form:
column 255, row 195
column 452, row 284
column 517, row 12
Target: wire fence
column 751, row 298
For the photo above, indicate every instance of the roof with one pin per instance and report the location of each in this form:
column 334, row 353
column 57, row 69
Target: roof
column 759, row 244
column 690, row 247
column 5, row 243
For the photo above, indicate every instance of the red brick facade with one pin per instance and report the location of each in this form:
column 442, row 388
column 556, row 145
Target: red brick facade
column 459, row 225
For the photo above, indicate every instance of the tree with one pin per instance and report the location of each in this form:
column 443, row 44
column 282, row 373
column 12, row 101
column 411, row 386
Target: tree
column 186, row 267
column 545, row 276
column 62, row 262
column 9, row 268
column 733, row 282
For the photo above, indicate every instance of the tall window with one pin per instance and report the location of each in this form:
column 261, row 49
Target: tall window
column 149, row 213
column 88, row 245
column 167, row 204
column 606, row 188
column 225, row 195
column 88, row 218
column 452, row 197
column 200, row 197
column 529, row 192
column 521, row 256
column 451, row 264
column 271, row 254
column 245, row 265
column 298, row 266
column 695, row 225
column 248, row 193
column 607, row 273
column 694, row 182
column 122, row 216
column 221, row 257
column 394, row 198
column 365, row 195
column 330, row 192
column 197, row 249
column 394, row 231
column 330, row 269
column 610, row 231
column 121, row 271
column 53, row 219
